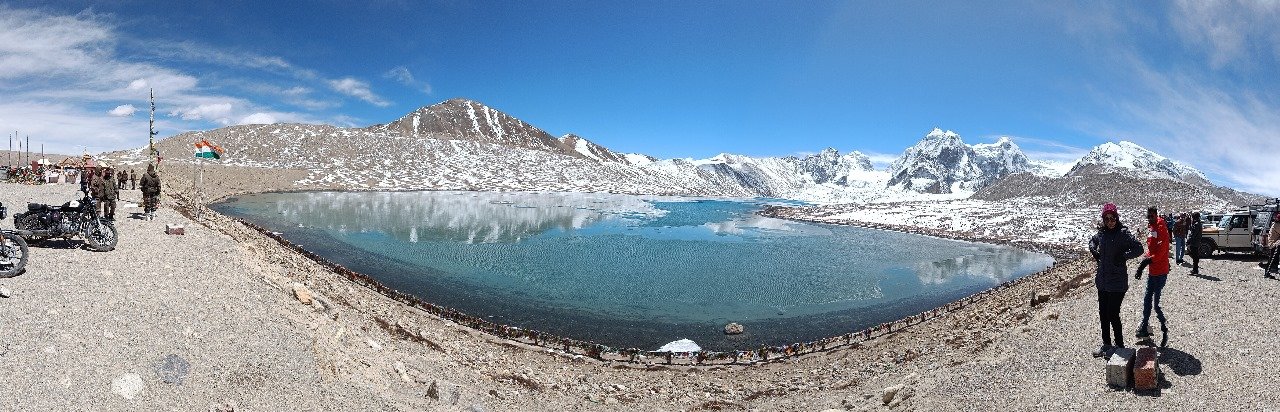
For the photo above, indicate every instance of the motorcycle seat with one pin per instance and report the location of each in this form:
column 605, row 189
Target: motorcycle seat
column 36, row 206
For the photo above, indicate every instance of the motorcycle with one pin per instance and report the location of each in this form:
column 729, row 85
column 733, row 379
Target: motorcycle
column 75, row 218
column 13, row 250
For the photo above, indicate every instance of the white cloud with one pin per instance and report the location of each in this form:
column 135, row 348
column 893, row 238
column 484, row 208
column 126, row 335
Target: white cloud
column 258, row 118
column 124, row 110
column 58, row 71
column 1229, row 32
column 217, row 112
column 404, row 76
column 358, row 89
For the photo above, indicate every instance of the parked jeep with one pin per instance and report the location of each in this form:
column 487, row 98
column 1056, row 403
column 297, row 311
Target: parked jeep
column 1238, row 231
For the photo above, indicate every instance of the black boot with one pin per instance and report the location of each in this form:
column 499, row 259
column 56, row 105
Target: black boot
column 1164, row 336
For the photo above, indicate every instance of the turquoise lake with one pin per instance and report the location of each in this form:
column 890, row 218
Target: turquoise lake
column 634, row 271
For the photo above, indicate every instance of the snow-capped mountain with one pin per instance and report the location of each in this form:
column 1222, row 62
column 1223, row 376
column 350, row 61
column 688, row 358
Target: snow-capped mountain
column 942, row 163
column 462, row 119
column 1127, row 156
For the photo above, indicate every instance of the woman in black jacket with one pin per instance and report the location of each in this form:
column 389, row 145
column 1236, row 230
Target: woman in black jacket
column 1111, row 247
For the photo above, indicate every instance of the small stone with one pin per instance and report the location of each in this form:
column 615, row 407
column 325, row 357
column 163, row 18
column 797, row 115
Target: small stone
column 301, row 292
column 611, row 401
column 733, row 329
column 890, row 393
column 4, row 292
column 128, row 385
column 373, row 344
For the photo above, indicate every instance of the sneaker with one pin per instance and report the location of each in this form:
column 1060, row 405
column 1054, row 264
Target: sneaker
column 1143, row 332
column 1103, row 351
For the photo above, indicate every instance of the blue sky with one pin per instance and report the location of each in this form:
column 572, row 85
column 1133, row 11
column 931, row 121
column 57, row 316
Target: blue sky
column 1194, row 80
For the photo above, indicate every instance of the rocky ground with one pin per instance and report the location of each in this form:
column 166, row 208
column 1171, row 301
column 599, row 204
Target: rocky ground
column 217, row 319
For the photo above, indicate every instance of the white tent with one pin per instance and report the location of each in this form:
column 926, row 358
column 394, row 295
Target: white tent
column 682, row 345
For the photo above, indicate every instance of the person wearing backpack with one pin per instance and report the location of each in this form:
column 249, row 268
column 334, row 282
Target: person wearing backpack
column 1111, row 247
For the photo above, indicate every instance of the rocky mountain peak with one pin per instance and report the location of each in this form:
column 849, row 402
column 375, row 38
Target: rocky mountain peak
column 1131, row 157
column 464, row 119
column 942, row 163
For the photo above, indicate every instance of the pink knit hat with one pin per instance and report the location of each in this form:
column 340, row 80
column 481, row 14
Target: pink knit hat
column 1110, row 208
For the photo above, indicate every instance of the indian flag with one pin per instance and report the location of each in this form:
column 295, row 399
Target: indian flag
column 207, row 150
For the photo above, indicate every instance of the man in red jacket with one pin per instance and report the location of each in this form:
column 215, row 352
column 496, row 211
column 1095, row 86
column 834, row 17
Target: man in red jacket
column 1157, row 257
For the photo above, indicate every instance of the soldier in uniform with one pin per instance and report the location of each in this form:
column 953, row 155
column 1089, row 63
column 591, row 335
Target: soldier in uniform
column 133, row 179
column 109, row 194
column 150, row 185
column 121, row 178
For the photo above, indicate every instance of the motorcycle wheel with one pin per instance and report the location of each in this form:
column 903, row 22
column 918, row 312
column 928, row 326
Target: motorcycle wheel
column 100, row 236
column 13, row 255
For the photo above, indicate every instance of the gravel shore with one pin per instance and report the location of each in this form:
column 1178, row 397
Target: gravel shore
column 216, row 320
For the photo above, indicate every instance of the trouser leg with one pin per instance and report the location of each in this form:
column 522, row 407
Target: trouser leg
column 1103, row 320
column 1155, row 285
column 1146, row 302
column 1109, row 317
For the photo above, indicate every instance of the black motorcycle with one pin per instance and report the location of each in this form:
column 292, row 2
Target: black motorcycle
column 75, row 218
column 13, row 250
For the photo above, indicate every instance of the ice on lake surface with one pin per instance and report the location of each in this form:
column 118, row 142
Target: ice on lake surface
column 635, row 271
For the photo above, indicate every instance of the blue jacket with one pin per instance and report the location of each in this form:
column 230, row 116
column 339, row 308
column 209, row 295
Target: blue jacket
column 1111, row 248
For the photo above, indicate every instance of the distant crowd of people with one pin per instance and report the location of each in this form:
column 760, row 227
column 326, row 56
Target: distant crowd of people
column 1113, row 245
column 104, row 186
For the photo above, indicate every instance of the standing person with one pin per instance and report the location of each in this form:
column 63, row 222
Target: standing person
column 1158, row 258
column 122, row 178
column 97, row 189
column 133, row 179
column 150, row 191
column 1272, row 242
column 86, row 180
column 109, row 194
column 1111, row 247
column 1180, row 236
column 1197, row 230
